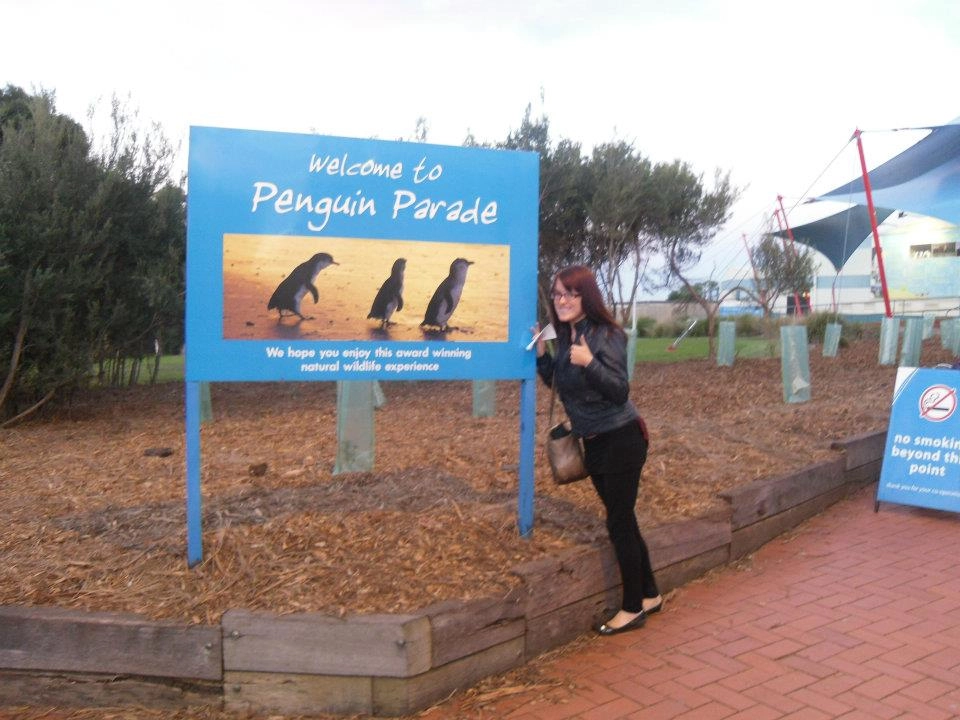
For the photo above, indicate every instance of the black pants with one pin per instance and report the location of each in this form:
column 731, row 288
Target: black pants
column 615, row 460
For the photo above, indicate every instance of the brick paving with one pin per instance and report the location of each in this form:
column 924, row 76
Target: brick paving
column 854, row 614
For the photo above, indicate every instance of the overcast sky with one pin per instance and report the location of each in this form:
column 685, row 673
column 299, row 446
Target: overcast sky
column 769, row 91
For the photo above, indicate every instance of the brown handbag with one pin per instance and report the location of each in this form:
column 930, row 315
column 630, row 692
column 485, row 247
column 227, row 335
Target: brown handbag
column 564, row 448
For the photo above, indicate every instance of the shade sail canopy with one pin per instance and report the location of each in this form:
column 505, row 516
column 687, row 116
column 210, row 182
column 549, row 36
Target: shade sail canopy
column 838, row 236
column 923, row 179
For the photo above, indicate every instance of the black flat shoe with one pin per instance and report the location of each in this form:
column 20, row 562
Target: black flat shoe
column 658, row 608
column 637, row 622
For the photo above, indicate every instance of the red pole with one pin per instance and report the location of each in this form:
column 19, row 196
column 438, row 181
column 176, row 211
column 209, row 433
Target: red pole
column 873, row 224
column 798, row 308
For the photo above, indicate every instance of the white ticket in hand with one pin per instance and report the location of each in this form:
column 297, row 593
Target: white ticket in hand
column 548, row 333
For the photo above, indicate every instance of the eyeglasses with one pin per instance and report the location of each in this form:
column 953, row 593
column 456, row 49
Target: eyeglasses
column 567, row 296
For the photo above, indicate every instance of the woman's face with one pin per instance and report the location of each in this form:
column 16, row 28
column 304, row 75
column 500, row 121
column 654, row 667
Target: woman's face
column 567, row 303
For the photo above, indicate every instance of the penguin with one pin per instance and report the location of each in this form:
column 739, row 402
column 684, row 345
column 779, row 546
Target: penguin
column 298, row 283
column 389, row 297
column 447, row 295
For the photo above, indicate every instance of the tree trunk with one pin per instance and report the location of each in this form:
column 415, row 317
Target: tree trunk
column 155, row 371
column 711, row 335
column 14, row 361
column 134, row 371
column 29, row 411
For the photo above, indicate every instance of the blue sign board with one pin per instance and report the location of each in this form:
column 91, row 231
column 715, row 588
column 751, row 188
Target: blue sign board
column 921, row 463
column 325, row 258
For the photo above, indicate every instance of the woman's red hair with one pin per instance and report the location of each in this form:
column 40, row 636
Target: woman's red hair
column 580, row 279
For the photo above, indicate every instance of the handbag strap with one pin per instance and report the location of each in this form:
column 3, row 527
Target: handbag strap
column 553, row 395
column 553, row 388
column 553, row 392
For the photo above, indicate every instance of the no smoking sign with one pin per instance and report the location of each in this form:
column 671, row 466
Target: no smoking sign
column 938, row 402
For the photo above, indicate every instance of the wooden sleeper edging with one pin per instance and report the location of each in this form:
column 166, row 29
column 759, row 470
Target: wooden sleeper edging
column 392, row 664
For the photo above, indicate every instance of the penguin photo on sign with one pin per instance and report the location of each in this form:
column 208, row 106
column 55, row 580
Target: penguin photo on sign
column 447, row 296
column 389, row 297
column 299, row 282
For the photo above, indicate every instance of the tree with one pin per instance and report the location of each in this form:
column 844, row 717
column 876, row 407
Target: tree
column 48, row 280
column 91, row 253
column 564, row 185
column 591, row 210
column 141, row 218
column 779, row 269
column 620, row 206
column 615, row 211
column 686, row 218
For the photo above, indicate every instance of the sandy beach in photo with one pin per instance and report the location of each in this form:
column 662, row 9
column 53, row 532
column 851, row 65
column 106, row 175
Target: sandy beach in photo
column 253, row 266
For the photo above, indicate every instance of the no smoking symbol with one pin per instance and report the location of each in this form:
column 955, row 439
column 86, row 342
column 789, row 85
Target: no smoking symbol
column 938, row 402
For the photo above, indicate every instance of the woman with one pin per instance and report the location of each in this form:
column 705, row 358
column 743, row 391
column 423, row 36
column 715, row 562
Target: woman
column 590, row 376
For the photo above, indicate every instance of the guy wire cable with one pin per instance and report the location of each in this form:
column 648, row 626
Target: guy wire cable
column 822, row 173
column 738, row 228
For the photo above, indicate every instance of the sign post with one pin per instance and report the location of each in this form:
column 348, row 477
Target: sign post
column 335, row 259
column 194, row 513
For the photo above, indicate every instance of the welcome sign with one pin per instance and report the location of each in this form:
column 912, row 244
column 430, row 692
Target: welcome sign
column 324, row 258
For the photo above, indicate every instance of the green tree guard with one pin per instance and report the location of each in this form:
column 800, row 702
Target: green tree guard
column 355, row 440
column 950, row 334
column 946, row 333
column 484, row 398
column 379, row 399
column 631, row 351
column 912, row 337
column 928, row 321
column 206, row 405
column 795, row 363
column 728, row 343
column 831, row 339
column 889, row 337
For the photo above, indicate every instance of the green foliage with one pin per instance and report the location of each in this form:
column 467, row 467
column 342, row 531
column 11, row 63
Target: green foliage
column 620, row 204
column 46, row 184
column 748, row 325
column 687, row 215
column 668, row 329
column 91, row 250
column 616, row 210
column 646, row 327
column 817, row 327
column 676, row 327
column 780, row 269
column 563, row 189
column 687, row 218
column 709, row 290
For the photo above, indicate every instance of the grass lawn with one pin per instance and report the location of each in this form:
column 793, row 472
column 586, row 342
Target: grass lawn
column 171, row 369
column 697, row 348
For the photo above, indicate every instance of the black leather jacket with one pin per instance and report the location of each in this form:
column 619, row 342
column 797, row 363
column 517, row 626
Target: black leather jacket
column 596, row 397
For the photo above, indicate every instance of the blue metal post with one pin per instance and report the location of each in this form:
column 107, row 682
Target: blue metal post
column 194, row 518
column 528, row 421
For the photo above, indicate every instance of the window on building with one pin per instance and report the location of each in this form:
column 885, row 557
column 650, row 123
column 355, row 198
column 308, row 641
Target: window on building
column 932, row 250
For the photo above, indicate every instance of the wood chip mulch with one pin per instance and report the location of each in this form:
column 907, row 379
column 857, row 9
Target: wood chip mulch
column 94, row 495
